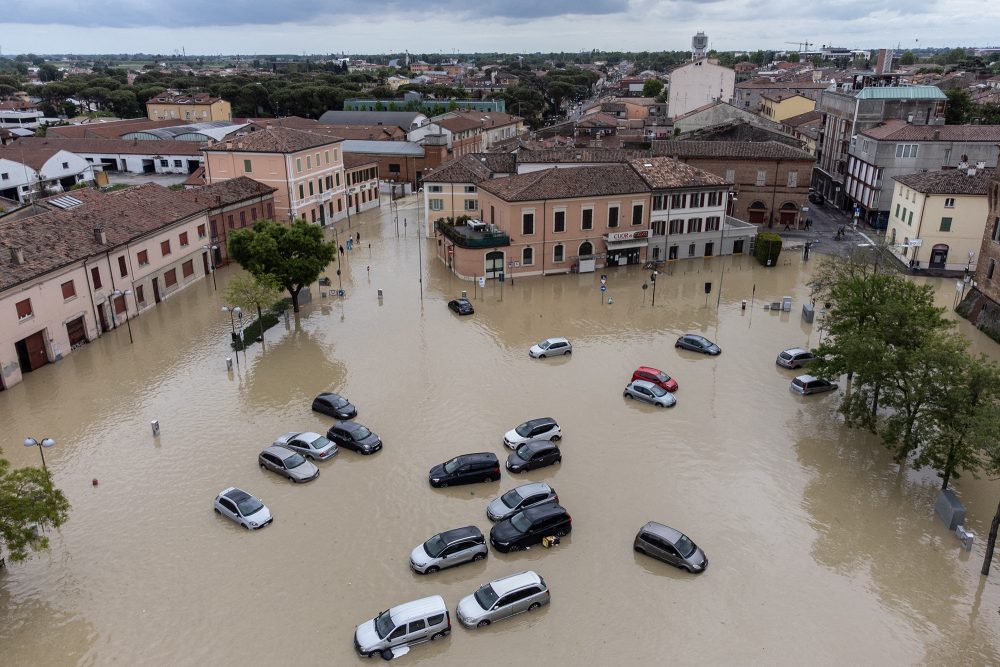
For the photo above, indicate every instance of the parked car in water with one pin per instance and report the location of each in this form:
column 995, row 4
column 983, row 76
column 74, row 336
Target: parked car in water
column 308, row 444
column 543, row 428
column 245, row 509
column 795, row 357
column 670, row 546
column 461, row 306
column 520, row 497
column 394, row 630
column 448, row 549
column 287, row 463
column 502, row 599
column 355, row 437
column 334, row 405
column 650, row 393
column 527, row 527
column 550, row 347
column 466, row 469
column 697, row 343
column 656, row 376
column 533, row 455
column 808, row 384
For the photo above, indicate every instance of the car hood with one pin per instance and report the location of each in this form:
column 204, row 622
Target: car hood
column 304, row 471
column 419, row 555
column 698, row 558
column 437, row 471
column 504, row 531
column 469, row 609
column 512, row 436
column 513, row 459
column 366, row 636
column 348, row 410
column 713, row 349
column 370, row 441
column 667, row 399
column 535, row 350
column 497, row 509
column 260, row 517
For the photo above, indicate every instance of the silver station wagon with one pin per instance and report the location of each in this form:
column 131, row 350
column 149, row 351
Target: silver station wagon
column 502, row 599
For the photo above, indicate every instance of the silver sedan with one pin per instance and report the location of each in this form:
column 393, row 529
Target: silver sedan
column 311, row 445
column 650, row 393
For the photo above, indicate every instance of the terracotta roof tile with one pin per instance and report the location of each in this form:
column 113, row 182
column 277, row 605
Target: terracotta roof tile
column 118, row 146
column 900, row 130
column 578, row 155
column 24, row 152
column 107, row 130
column 733, row 150
column 275, row 139
column 555, row 183
column 662, row 173
column 355, row 160
column 949, row 181
column 464, row 169
column 224, row 193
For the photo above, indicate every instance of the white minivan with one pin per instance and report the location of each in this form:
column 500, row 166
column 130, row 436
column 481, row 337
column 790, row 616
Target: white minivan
column 391, row 633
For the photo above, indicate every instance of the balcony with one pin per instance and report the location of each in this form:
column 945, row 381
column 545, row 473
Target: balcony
column 465, row 237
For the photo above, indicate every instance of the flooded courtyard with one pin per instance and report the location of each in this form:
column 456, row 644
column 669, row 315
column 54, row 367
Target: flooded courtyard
column 822, row 550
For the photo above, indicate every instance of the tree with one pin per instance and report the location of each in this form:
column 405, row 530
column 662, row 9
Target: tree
column 794, row 57
column 907, row 58
column 959, row 106
column 253, row 293
column 291, row 256
column 652, row 88
column 49, row 72
column 28, row 499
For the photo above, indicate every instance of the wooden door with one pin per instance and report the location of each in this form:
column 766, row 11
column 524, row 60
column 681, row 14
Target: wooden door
column 32, row 352
column 77, row 332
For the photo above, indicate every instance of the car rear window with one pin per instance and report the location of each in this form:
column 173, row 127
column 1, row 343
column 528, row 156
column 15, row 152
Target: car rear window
column 434, row 620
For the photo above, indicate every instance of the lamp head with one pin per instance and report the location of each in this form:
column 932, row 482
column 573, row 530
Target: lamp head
column 30, row 442
column 48, row 442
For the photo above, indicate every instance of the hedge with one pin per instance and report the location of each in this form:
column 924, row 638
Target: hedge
column 767, row 246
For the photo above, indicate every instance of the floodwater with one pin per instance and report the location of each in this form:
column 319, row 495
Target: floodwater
column 822, row 550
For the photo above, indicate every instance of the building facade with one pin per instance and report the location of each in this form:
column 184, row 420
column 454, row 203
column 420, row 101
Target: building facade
column 778, row 106
column 984, row 309
column 233, row 204
column 28, row 171
column 698, row 83
column 196, row 108
column 362, row 183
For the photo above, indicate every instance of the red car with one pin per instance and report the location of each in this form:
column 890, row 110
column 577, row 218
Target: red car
column 657, row 377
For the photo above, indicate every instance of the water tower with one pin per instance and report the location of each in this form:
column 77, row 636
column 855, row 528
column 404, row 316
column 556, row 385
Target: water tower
column 698, row 44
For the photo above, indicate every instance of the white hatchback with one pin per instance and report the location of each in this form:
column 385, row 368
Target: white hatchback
column 243, row 508
column 551, row 347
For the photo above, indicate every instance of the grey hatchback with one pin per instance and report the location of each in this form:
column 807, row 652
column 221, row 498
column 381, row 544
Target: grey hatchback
column 518, row 498
column 795, row 357
column 533, row 455
column 447, row 549
column 697, row 343
column 287, row 463
column 670, row 546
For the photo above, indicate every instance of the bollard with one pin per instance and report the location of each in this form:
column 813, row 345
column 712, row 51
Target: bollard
column 465, row 294
column 743, row 306
column 610, row 300
column 286, row 315
column 229, row 363
column 155, row 424
column 380, row 295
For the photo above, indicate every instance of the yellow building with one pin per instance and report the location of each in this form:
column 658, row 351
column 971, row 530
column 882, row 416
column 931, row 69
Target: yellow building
column 781, row 105
column 194, row 108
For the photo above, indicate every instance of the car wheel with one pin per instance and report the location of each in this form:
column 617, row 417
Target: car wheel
column 386, row 654
column 541, row 356
column 478, row 557
column 482, row 624
column 568, row 352
column 626, row 394
column 559, row 460
column 217, row 511
column 638, row 549
column 438, row 635
column 431, row 569
column 443, row 485
column 245, row 526
column 261, row 466
column 556, row 438
column 515, row 547
column 662, row 405
column 534, row 606
column 487, row 479
column 560, row 533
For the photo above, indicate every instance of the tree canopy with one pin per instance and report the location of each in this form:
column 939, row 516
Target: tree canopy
column 28, row 499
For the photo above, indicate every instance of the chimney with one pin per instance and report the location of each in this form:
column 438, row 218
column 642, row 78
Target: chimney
column 100, row 238
column 937, row 135
column 17, row 254
column 981, row 165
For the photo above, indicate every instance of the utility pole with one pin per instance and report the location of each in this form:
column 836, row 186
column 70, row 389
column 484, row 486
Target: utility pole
column 991, row 542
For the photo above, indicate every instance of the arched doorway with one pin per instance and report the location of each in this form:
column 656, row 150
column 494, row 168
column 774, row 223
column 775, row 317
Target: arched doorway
column 756, row 212
column 939, row 256
column 494, row 264
column 788, row 214
column 586, row 249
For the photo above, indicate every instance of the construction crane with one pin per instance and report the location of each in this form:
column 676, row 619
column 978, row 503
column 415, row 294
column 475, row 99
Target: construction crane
column 803, row 46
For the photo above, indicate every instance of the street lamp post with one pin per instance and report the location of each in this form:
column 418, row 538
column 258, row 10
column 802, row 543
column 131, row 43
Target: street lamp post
column 232, row 326
column 420, row 255
column 652, row 279
column 45, row 442
column 118, row 293
column 211, row 258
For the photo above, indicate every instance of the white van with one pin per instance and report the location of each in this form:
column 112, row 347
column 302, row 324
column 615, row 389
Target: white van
column 394, row 630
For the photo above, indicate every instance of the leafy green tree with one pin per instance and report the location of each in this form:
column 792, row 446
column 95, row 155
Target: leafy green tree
column 291, row 256
column 794, row 57
column 959, row 106
column 652, row 88
column 49, row 72
column 253, row 293
column 28, row 499
column 908, row 58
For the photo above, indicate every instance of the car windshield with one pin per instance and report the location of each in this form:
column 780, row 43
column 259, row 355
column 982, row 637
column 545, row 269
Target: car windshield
column 294, row 461
column 785, row 355
column 452, row 466
column 662, row 377
column 524, row 429
column 361, row 433
column 520, row 522
column 544, row 344
column 338, row 402
column 383, row 624
column 486, row 596
column 512, row 498
column 685, row 547
column 524, row 451
column 249, row 505
column 319, row 443
column 657, row 390
column 434, row 546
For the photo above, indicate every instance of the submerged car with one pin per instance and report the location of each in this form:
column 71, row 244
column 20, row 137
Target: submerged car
column 392, row 632
column 334, row 405
column 670, row 546
column 795, row 357
column 543, row 428
column 697, row 343
column 466, row 469
column 502, row 599
column 245, row 509
column 519, row 498
column 656, row 376
column 461, row 306
column 527, row 527
column 355, row 437
column 287, row 463
column 533, row 455
column 308, row 444
column 808, row 384
column 550, row 347
column 650, row 393
column 448, row 549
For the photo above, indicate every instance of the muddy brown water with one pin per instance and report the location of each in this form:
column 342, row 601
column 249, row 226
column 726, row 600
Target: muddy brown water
column 821, row 550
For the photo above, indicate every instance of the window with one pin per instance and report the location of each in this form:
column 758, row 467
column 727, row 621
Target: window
column 139, row 296
column 326, row 157
column 588, row 219
column 659, row 227
column 558, row 254
column 298, row 165
column 311, row 189
column 694, row 225
column 731, row 173
column 471, row 204
column 910, row 220
column 201, row 231
column 24, row 309
column 163, row 163
column 996, row 230
column 5, row 176
column 527, row 257
column 178, row 163
column 636, row 214
column 945, row 225
column 657, row 202
column 906, row 150
column 712, row 223
column 187, row 268
column 122, row 266
column 989, row 271
column 183, row 239
column 676, row 226
column 95, row 274
column 793, row 179
column 302, row 191
column 678, row 201
column 714, row 198
column 232, row 223
column 270, row 210
column 309, row 162
column 393, row 167
column 691, row 250
column 142, row 257
column 319, row 185
column 897, row 210
column 417, row 626
column 433, row 188
column 612, row 216
column 761, row 177
column 119, row 302
column 243, row 218
column 697, row 199
column 436, row 204
column 559, row 221
column 253, row 214
column 165, row 247
column 170, row 278
column 528, row 223
column 470, row 188
column 949, row 202
column 864, row 145
column 68, row 290
column 337, row 179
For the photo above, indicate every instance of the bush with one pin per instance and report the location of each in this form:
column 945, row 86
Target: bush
column 257, row 328
column 767, row 247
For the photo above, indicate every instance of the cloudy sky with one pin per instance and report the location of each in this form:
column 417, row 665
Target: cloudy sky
column 443, row 26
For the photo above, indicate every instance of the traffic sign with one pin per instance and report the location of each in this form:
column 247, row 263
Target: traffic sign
column 604, row 288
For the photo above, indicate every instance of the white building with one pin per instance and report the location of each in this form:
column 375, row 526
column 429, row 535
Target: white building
column 37, row 171
column 698, row 83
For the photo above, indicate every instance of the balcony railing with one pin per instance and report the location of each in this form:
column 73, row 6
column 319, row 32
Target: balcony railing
column 465, row 237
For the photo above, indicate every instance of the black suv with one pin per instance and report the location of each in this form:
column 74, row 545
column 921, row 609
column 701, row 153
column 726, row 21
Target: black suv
column 533, row 455
column 466, row 469
column 529, row 526
column 355, row 437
